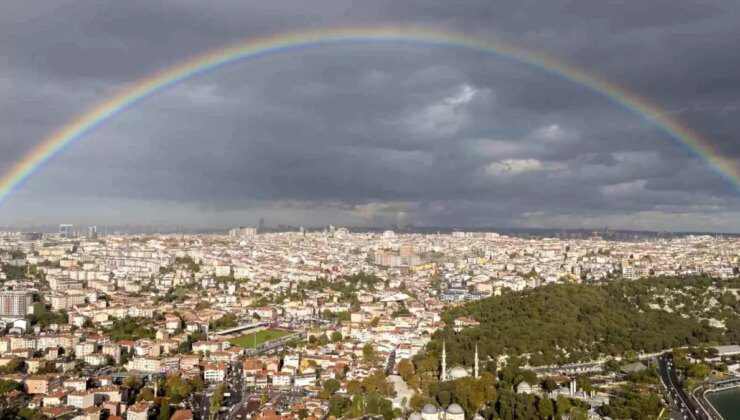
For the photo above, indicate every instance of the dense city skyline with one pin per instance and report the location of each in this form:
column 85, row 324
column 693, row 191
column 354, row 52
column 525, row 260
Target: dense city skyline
column 375, row 134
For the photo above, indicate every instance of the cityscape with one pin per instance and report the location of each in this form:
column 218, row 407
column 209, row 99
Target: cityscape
column 370, row 209
column 257, row 324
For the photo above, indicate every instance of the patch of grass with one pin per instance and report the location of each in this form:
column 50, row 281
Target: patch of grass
column 247, row 341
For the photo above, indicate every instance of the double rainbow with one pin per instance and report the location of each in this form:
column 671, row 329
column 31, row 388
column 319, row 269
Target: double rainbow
column 131, row 95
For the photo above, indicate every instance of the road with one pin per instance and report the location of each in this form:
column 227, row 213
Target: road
column 706, row 408
column 681, row 406
column 235, row 379
column 199, row 403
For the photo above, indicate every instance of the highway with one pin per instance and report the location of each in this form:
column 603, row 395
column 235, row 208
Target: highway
column 681, row 406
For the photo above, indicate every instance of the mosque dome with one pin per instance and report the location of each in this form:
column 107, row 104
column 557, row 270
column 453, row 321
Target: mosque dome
column 429, row 409
column 524, row 388
column 458, row 372
column 454, row 409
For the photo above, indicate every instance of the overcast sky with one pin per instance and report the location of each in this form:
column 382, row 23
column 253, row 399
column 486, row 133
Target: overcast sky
column 374, row 134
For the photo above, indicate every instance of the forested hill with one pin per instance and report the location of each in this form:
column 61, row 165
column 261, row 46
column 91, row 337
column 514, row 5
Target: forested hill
column 562, row 323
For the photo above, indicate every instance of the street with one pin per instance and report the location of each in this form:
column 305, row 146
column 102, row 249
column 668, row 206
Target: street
column 681, row 406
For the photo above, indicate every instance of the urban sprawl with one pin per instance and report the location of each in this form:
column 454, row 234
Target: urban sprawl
column 303, row 325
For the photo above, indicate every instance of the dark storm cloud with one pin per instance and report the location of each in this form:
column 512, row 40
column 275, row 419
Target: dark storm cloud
column 375, row 133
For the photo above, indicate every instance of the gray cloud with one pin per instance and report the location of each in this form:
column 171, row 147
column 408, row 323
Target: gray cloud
column 377, row 133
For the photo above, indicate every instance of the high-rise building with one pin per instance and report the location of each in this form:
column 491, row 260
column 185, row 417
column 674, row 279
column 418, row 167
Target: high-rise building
column 15, row 303
column 66, row 231
column 262, row 225
column 92, row 232
column 243, row 231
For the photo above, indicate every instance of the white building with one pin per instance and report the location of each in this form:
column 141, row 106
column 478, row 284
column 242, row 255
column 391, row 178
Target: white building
column 282, row 379
column 214, row 372
column 81, row 399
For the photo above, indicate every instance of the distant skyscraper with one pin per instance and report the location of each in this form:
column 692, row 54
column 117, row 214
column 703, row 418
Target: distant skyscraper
column 66, row 231
column 92, row 232
column 262, row 225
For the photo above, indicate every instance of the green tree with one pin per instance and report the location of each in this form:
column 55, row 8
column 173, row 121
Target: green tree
column 13, row 366
column 405, row 369
column 368, row 353
column 546, row 409
column 225, row 322
column 354, row 387
column 164, row 409
column 699, row 370
column 338, row 405
column 42, row 316
column 336, row 336
column 578, row 414
column 377, row 383
column 130, row 328
column 146, row 394
column 196, row 384
column 133, row 382
column 8, row 386
column 217, row 400
column 562, row 405
column 633, row 402
column 549, row 384
column 444, row 398
column 584, row 383
column 331, row 386
column 30, row 414
column 177, row 389
column 417, row 402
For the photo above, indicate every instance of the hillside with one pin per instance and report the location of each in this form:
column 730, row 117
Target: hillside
column 562, row 323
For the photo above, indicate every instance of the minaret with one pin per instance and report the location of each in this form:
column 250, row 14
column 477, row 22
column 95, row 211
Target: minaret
column 475, row 367
column 443, row 374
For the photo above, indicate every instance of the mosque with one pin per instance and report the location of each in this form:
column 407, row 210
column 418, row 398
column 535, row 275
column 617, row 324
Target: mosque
column 454, row 411
column 458, row 371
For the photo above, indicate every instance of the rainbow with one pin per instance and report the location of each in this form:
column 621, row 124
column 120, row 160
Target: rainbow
column 132, row 94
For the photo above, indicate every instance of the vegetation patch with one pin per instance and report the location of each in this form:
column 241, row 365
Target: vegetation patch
column 248, row 341
column 563, row 323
